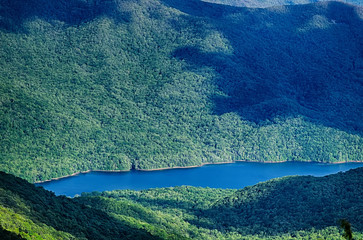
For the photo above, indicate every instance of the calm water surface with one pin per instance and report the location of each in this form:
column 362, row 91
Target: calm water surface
column 235, row 175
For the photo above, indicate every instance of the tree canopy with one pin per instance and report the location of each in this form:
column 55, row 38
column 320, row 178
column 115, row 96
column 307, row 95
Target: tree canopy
column 126, row 84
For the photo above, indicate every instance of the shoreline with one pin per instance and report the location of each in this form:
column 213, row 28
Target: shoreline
column 186, row 167
column 77, row 173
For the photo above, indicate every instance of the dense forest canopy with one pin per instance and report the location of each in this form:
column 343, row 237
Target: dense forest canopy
column 298, row 207
column 144, row 84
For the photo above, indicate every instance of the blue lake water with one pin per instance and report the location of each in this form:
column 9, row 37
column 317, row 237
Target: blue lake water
column 236, row 175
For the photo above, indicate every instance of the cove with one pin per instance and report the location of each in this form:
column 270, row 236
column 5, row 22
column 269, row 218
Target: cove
column 233, row 175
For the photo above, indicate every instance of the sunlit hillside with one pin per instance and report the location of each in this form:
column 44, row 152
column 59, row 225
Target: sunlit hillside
column 144, row 84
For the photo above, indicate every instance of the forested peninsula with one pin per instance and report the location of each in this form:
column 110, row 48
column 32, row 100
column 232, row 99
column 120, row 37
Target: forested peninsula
column 149, row 84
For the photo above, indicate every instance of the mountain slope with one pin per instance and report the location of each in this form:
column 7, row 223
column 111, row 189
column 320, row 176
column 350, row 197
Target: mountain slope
column 116, row 85
column 294, row 203
column 299, row 207
column 34, row 213
column 284, row 208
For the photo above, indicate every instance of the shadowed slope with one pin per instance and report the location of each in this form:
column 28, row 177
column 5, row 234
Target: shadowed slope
column 294, row 203
column 119, row 85
column 32, row 211
column 72, row 12
column 286, row 62
column 299, row 207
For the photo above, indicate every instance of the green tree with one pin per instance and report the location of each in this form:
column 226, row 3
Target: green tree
column 347, row 229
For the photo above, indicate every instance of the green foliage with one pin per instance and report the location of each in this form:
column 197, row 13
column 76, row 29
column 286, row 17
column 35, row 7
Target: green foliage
column 24, row 228
column 115, row 85
column 292, row 203
column 34, row 213
column 284, row 208
column 347, row 229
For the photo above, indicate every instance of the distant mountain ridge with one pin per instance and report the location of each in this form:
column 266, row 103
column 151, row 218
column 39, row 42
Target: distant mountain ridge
column 126, row 84
column 298, row 207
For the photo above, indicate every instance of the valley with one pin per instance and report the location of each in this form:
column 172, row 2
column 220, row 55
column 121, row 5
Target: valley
column 118, row 89
column 297, row 207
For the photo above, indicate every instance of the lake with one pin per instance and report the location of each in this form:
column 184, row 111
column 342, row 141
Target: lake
column 235, row 175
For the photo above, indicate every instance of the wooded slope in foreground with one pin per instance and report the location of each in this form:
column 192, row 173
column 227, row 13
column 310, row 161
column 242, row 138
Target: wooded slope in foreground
column 299, row 207
column 144, row 84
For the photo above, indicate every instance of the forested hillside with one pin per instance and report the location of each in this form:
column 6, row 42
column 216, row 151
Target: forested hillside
column 285, row 208
column 34, row 213
column 293, row 203
column 144, row 84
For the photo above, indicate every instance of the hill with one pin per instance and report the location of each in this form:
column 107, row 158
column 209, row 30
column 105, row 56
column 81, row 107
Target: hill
column 294, row 203
column 284, row 208
column 144, row 84
column 34, row 213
